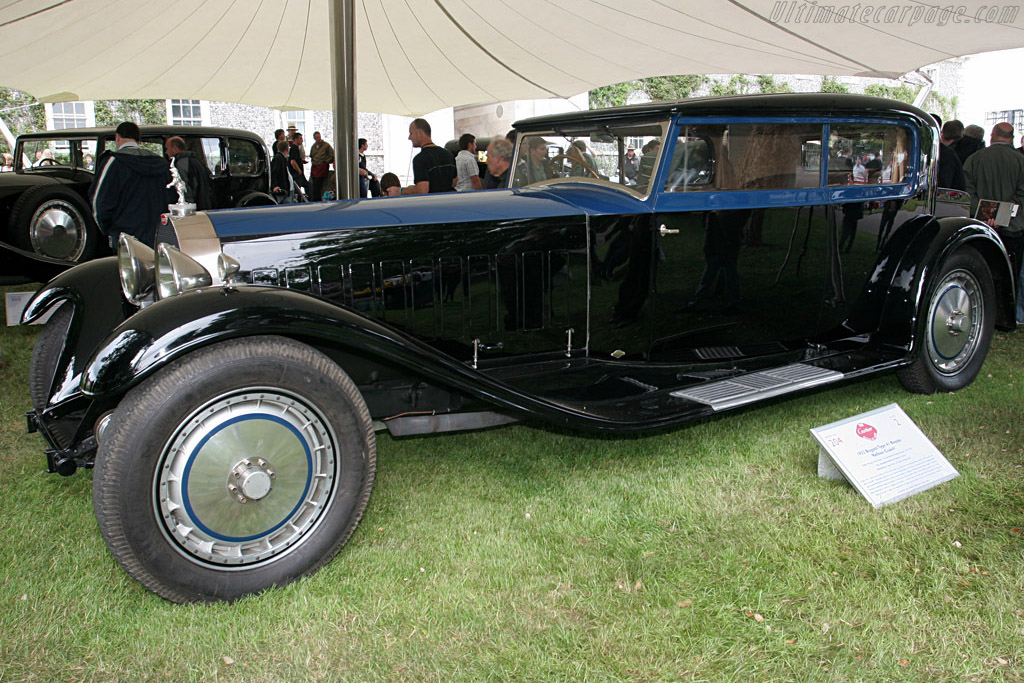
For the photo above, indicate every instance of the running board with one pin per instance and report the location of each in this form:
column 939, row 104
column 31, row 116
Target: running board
column 757, row 386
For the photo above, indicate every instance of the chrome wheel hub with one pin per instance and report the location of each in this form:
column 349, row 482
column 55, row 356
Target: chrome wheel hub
column 955, row 319
column 246, row 477
column 58, row 230
column 251, row 480
column 957, row 322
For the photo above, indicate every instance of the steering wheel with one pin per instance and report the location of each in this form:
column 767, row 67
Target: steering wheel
column 576, row 160
column 47, row 160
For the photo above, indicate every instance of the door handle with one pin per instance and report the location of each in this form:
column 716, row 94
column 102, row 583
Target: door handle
column 667, row 231
column 479, row 346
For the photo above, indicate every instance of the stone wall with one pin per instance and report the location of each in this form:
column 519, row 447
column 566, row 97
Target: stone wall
column 264, row 122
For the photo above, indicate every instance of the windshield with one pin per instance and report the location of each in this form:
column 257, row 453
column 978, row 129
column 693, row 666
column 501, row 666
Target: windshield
column 624, row 155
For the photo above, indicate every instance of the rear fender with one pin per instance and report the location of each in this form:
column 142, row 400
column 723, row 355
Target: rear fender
column 909, row 281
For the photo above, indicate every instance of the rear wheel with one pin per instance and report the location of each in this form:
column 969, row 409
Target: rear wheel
column 957, row 329
column 243, row 466
column 53, row 221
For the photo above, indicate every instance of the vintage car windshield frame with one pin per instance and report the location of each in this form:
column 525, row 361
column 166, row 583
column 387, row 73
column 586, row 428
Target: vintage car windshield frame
column 584, row 130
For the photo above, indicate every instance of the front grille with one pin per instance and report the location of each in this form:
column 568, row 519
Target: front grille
column 166, row 234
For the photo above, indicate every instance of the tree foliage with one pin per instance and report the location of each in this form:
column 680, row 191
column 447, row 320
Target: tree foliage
column 666, row 88
column 902, row 93
column 658, row 88
column 614, row 95
column 113, row 112
column 829, row 84
column 21, row 113
column 943, row 106
column 737, row 85
column 770, row 85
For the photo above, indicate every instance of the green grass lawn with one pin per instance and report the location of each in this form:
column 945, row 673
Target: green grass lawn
column 713, row 552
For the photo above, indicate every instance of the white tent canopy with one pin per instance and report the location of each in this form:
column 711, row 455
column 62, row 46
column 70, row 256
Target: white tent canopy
column 415, row 56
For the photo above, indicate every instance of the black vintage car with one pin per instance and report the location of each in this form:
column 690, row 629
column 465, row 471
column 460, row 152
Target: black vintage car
column 227, row 387
column 44, row 207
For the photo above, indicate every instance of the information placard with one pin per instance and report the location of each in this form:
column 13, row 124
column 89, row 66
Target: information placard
column 883, row 454
column 15, row 302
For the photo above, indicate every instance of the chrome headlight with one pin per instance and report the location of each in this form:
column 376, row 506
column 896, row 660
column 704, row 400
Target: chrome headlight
column 177, row 273
column 136, row 263
column 227, row 267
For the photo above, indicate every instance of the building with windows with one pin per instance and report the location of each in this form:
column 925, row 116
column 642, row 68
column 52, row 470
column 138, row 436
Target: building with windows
column 1015, row 117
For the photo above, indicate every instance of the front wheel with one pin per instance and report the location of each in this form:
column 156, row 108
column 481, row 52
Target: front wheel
column 957, row 330
column 242, row 466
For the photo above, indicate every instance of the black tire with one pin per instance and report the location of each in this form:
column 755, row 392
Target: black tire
column 956, row 326
column 242, row 466
column 43, row 364
column 54, row 221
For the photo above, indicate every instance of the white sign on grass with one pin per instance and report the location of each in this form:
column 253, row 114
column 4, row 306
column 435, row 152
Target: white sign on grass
column 15, row 303
column 883, row 454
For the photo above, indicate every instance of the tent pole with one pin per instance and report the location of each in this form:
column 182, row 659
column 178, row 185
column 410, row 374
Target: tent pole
column 343, row 86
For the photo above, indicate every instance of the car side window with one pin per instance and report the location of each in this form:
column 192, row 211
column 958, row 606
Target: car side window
column 867, row 154
column 244, row 157
column 211, row 155
column 745, row 156
column 154, row 145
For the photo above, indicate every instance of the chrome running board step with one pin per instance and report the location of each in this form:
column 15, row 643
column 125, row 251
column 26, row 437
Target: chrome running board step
column 757, row 386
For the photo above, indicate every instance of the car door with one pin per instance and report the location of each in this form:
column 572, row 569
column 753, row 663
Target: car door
column 742, row 242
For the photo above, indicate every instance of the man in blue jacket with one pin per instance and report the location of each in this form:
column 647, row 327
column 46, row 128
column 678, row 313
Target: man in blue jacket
column 129, row 190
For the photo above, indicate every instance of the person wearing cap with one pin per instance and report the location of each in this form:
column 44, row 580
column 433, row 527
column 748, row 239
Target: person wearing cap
column 631, row 165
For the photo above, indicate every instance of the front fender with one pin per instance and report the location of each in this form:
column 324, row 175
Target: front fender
column 169, row 329
column 910, row 279
column 93, row 290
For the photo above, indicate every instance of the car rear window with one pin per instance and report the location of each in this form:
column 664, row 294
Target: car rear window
column 244, row 157
column 867, row 154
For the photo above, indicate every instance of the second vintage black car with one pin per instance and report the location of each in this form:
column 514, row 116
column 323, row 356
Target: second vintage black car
column 227, row 386
column 44, row 206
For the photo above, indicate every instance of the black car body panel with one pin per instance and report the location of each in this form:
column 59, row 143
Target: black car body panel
column 227, row 386
column 570, row 301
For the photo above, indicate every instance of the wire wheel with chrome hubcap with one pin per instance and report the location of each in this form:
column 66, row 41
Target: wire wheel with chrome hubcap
column 212, row 483
column 957, row 327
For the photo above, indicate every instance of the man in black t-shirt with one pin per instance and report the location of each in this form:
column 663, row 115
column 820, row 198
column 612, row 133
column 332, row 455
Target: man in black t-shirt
column 296, row 166
column 433, row 169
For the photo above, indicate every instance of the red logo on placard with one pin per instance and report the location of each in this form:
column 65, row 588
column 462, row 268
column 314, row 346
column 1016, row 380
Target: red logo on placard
column 866, row 431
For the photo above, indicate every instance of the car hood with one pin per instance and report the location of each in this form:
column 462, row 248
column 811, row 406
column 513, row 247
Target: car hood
column 488, row 206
